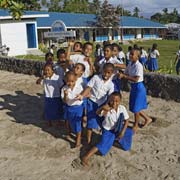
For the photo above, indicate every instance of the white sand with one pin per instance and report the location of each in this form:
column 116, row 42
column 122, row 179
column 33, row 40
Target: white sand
column 29, row 150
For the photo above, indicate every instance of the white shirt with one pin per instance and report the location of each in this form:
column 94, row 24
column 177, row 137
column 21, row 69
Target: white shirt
column 72, row 94
column 178, row 54
column 121, row 55
column 104, row 61
column 81, row 82
column 80, row 58
column 52, row 86
column 143, row 53
column 154, row 54
column 111, row 118
column 100, row 89
column 127, row 55
column 135, row 69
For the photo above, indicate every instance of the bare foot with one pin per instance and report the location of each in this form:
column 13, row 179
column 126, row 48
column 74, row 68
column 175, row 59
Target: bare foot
column 135, row 128
column 148, row 121
column 85, row 161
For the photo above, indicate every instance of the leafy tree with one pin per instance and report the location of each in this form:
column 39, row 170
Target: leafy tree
column 122, row 12
column 54, row 6
column 30, row 4
column 136, row 12
column 44, row 2
column 95, row 6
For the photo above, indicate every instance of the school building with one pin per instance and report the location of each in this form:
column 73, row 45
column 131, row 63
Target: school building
column 23, row 36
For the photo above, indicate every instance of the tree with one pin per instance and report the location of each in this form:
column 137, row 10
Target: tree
column 95, row 6
column 136, row 12
column 122, row 12
column 54, row 6
column 30, row 4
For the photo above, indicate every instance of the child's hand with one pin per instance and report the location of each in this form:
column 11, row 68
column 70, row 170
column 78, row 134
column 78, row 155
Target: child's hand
column 106, row 107
column 65, row 92
column 79, row 97
column 39, row 81
column 121, row 75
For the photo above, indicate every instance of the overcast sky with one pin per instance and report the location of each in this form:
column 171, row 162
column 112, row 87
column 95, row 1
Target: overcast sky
column 148, row 7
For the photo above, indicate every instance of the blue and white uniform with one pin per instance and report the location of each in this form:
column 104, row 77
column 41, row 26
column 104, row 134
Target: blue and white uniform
column 113, row 124
column 127, row 58
column 73, row 110
column 100, row 90
column 137, row 100
column 53, row 103
column 143, row 57
column 153, row 63
column 178, row 63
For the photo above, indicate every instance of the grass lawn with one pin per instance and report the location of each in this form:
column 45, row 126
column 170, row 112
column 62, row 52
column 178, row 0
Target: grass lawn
column 167, row 49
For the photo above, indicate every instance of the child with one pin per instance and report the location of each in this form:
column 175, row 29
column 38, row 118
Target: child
column 152, row 64
column 73, row 111
column 97, row 90
column 143, row 56
column 127, row 55
column 178, row 61
column 137, row 102
column 82, row 58
column 121, row 55
column 52, row 85
column 77, row 47
column 114, row 127
column 49, row 58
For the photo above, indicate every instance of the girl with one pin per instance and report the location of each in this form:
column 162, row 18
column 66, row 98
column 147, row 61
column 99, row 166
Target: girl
column 178, row 61
column 73, row 110
column 97, row 90
column 152, row 64
column 137, row 102
column 127, row 55
column 143, row 56
column 114, row 127
column 52, row 85
column 49, row 58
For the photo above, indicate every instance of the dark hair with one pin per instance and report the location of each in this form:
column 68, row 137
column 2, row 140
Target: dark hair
column 80, row 44
column 87, row 44
column 109, row 46
column 52, row 46
column 108, row 65
column 49, row 65
column 48, row 54
column 129, row 48
column 136, row 47
column 154, row 46
column 60, row 51
column 115, row 45
column 116, row 94
column 69, row 73
column 82, row 65
column 98, row 46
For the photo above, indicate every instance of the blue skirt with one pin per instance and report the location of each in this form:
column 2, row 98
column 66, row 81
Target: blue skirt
column 117, row 84
column 53, row 108
column 152, row 64
column 143, row 60
column 137, row 101
column 73, row 114
column 92, row 118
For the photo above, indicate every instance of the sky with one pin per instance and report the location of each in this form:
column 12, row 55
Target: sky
column 148, row 7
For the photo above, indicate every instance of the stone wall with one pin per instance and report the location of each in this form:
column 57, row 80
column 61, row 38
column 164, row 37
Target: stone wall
column 157, row 85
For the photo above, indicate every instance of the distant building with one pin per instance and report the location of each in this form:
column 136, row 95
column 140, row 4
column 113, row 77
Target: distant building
column 24, row 35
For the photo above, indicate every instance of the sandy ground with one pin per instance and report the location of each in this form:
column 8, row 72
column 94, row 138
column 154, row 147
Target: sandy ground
column 30, row 150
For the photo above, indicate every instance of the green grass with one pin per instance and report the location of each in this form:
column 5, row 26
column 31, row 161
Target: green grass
column 167, row 50
column 31, row 57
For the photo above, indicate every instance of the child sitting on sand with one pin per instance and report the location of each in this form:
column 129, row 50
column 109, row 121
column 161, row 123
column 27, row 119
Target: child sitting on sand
column 115, row 122
column 52, row 85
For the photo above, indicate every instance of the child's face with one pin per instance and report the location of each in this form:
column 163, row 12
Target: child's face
column 62, row 57
column 77, row 47
column 134, row 56
column 49, row 58
column 71, row 81
column 107, row 73
column 78, row 70
column 48, row 72
column 114, row 101
column 88, row 50
column 115, row 51
column 107, row 53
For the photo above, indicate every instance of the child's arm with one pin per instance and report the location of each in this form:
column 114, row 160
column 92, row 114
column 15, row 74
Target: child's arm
column 121, row 134
column 102, row 111
column 85, row 93
column 65, row 95
column 39, row 80
column 130, row 78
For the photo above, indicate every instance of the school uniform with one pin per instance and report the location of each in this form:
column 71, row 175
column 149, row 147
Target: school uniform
column 178, row 63
column 113, row 124
column 121, row 56
column 53, row 102
column 153, row 63
column 127, row 58
column 73, row 110
column 80, row 58
column 100, row 90
column 137, row 100
column 143, row 57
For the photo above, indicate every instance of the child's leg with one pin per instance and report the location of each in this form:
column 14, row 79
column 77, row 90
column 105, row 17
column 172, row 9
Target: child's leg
column 88, row 155
column 147, row 119
column 136, row 117
column 68, row 129
column 89, row 135
column 78, row 139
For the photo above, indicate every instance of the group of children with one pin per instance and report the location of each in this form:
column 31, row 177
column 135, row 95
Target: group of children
column 78, row 90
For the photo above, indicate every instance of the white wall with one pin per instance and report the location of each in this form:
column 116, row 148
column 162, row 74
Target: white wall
column 14, row 35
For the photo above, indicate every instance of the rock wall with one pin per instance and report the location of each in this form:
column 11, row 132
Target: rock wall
column 157, row 85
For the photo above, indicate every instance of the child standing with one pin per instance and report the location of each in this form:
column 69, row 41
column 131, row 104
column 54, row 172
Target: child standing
column 178, row 61
column 114, row 126
column 73, row 111
column 52, row 85
column 97, row 90
column 137, row 101
column 153, row 62
column 143, row 56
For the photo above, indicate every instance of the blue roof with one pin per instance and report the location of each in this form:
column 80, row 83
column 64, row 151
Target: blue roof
column 85, row 20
